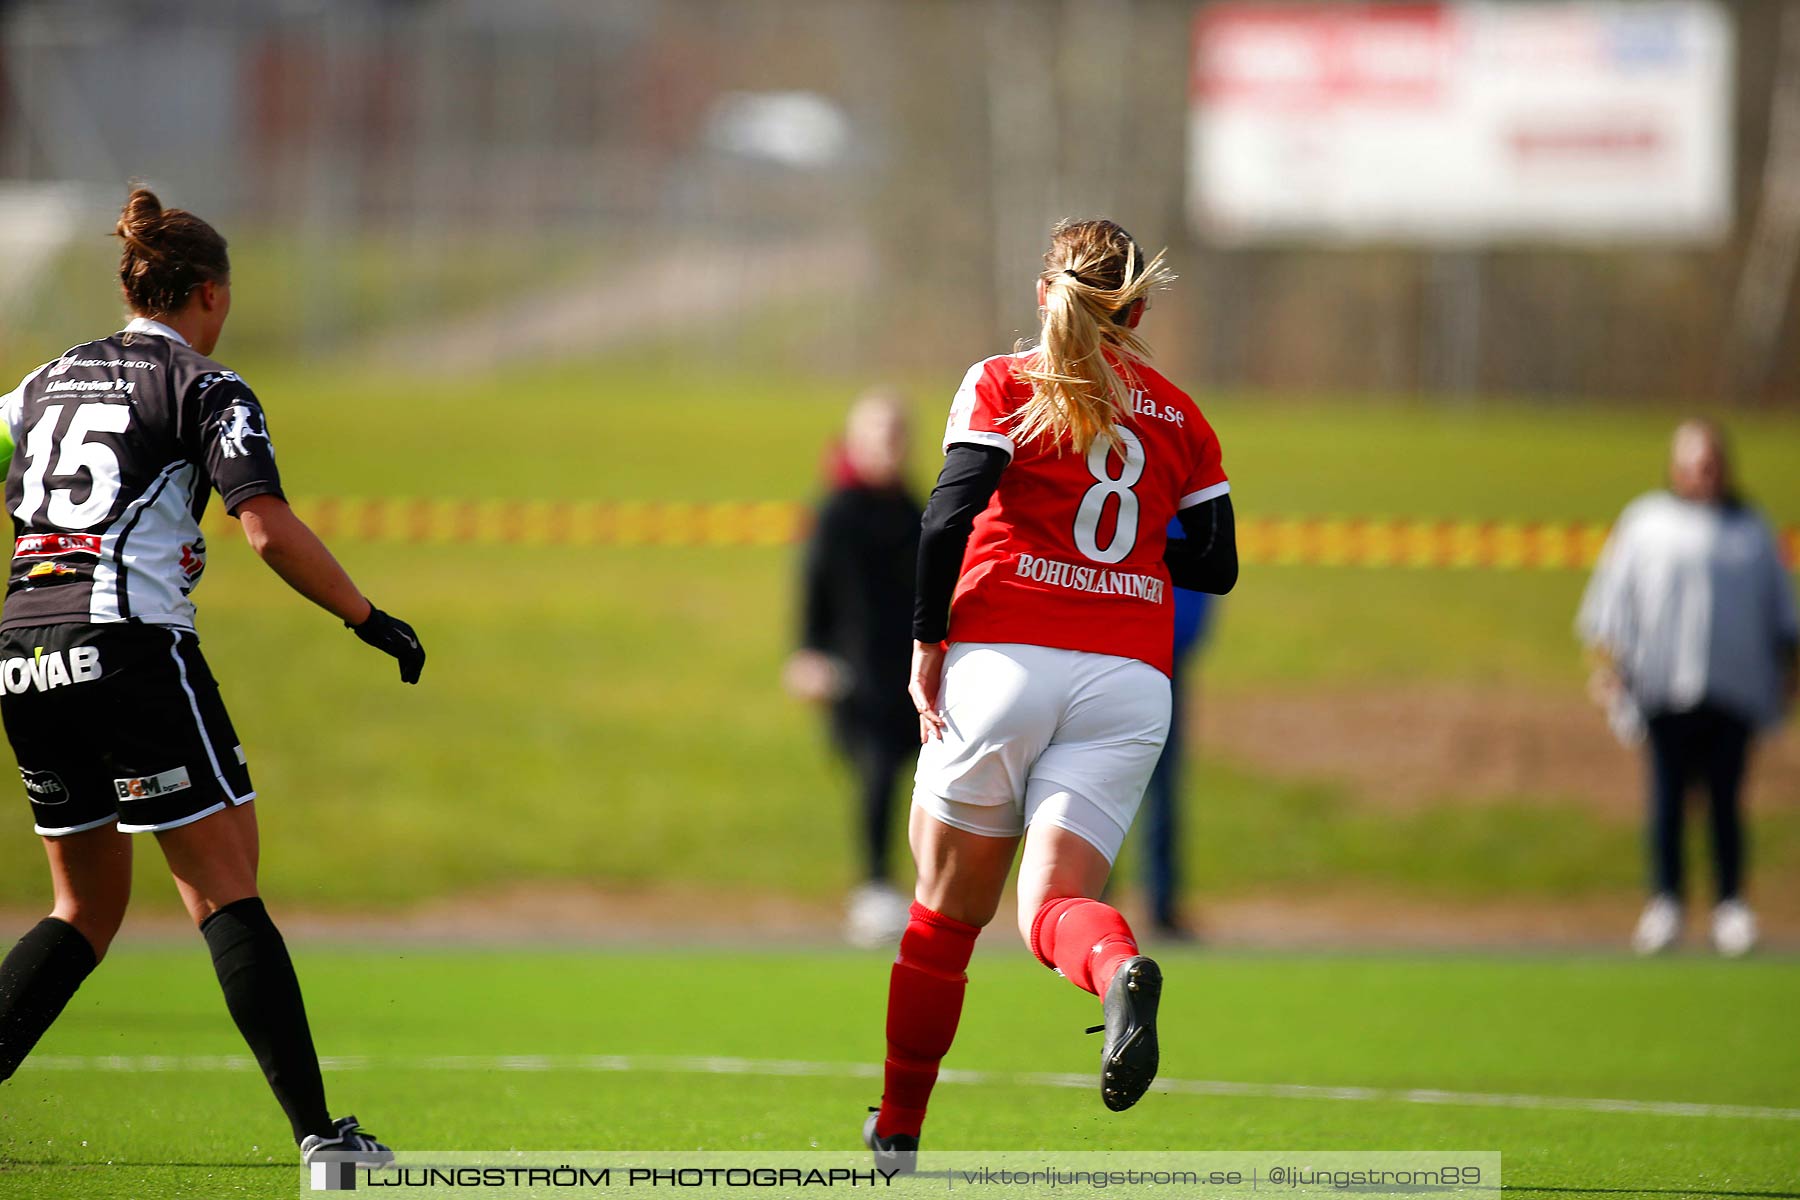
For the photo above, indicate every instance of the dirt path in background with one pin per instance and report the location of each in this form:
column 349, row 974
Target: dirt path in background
column 567, row 915
column 688, row 286
column 1445, row 744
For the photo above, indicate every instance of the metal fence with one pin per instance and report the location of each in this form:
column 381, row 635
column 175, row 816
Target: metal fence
column 861, row 184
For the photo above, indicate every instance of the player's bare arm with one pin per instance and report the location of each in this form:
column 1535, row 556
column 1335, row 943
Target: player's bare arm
column 293, row 551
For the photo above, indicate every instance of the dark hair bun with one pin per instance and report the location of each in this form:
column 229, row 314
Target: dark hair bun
column 142, row 205
column 167, row 253
column 138, row 221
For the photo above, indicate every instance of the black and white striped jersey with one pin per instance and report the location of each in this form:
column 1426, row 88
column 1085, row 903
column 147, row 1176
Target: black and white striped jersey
column 116, row 447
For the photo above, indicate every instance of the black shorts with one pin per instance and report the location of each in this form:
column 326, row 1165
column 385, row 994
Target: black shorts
column 117, row 723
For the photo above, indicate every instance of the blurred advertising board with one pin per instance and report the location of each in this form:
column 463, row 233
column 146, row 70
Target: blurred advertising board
column 1461, row 122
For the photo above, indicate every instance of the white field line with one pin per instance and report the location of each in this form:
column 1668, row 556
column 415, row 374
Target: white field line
column 774, row 1067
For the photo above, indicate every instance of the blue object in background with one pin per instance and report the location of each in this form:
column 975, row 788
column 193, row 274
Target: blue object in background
column 1193, row 610
column 1162, row 877
column 1193, row 613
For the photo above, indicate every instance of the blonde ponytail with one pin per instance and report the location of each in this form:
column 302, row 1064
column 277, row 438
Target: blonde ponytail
column 1093, row 273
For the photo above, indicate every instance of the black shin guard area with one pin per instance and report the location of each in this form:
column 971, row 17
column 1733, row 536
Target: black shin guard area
column 263, row 994
column 36, row 981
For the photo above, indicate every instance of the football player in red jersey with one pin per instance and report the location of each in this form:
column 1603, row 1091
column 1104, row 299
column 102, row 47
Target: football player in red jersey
column 1043, row 629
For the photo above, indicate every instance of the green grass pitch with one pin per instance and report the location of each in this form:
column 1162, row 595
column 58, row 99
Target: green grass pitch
column 1536, row 1031
column 629, row 698
column 614, row 717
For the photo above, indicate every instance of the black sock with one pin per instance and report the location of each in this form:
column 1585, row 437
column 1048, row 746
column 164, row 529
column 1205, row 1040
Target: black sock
column 263, row 994
column 36, row 980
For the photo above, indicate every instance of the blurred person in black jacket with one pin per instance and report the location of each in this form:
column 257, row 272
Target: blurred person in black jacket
column 856, row 640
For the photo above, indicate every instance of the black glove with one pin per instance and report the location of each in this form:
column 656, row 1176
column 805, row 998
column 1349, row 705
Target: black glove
column 390, row 635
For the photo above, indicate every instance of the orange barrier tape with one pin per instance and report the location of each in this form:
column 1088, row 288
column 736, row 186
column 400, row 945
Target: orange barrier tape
column 1395, row 542
column 1262, row 541
column 546, row 522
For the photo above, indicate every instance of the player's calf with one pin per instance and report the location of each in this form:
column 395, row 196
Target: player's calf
column 37, row 980
column 925, row 999
column 1091, row 944
column 1084, row 940
column 263, row 994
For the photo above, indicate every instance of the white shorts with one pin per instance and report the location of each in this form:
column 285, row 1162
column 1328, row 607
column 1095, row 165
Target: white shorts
column 1035, row 735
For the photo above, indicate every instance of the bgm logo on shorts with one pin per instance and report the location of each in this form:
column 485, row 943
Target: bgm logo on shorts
column 149, row 787
column 44, row 787
column 334, row 1177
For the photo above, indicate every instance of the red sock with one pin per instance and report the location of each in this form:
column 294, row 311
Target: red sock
column 925, row 997
column 1084, row 939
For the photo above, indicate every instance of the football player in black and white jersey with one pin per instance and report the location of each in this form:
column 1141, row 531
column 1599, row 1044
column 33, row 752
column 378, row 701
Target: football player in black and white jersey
column 114, row 718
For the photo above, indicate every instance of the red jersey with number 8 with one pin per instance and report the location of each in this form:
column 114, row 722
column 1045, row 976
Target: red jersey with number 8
column 1069, row 552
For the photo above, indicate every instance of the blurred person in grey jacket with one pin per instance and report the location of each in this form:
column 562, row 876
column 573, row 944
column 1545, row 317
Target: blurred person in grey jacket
column 1690, row 618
